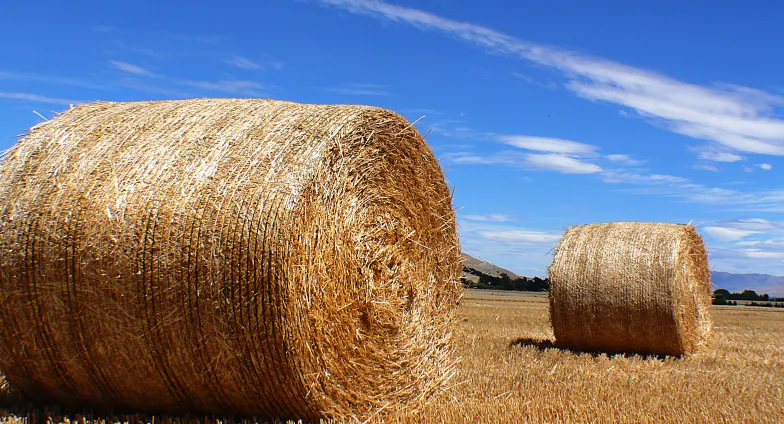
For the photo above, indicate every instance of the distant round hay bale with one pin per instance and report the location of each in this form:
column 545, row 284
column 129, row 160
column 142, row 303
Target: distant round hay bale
column 631, row 287
column 226, row 256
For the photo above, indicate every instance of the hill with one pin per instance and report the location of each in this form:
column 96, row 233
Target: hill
column 484, row 267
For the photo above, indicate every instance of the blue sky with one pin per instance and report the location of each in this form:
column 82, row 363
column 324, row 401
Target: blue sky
column 543, row 114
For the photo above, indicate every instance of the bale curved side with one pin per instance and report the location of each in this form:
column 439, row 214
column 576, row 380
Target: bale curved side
column 630, row 287
column 226, row 256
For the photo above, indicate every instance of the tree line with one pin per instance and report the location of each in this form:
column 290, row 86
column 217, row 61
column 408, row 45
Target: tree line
column 724, row 297
column 505, row 282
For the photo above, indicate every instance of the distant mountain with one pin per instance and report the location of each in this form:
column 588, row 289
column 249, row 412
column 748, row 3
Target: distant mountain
column 484, row 267
column 761, row 283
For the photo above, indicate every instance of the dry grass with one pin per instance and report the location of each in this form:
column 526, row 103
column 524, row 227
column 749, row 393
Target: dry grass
column 509, row 372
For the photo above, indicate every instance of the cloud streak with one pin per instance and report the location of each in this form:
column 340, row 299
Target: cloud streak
column 50, row 79
column 244, row 63
column 561, row 163
column 735, row 117
column 546, row 144
column 720, row 156
column 131, row 68
column 361, row 90
column 36, row 98
column 245, row 88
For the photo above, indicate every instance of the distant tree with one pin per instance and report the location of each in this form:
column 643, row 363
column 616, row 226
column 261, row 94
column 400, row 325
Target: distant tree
column 721, row 294
column 486, row 279
column 746, row 295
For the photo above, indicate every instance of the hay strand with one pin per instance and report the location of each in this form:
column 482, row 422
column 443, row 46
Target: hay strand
column 631, row 287
column 226, row 256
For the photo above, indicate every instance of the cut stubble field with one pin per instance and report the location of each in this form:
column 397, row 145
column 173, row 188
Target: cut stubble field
column 510, row 372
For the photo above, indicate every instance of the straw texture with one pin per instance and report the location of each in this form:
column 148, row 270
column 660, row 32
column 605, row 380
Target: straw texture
column 247, row 257
column 631, row 287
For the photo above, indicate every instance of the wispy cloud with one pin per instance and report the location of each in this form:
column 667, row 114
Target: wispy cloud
column 752, row 224
column 212, row 40
column 522, row 236
column 105, row 29
column 499, row 158
column 361, row 90
column 36, row 98
column 243, row 87
column 706, row 168
column 533, row 81
column 739, row 118
column 746, row 245
column 142, row 85
column 243, row 63
column 131, row 68
column 548, row 162
column 50, row 79
column 625, row 160
column 254, row 65
column 561, row 163
column 494, row 217
column 692, row 192
column 727, row 234
column 720, row 156
column 766, row 166
column 546, row 144
column 520, row 249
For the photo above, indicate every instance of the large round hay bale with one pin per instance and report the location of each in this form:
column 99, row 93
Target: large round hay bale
column 630, row 287
column 248, row 257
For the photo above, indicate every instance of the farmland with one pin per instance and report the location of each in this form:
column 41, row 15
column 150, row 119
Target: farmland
column 509, row 372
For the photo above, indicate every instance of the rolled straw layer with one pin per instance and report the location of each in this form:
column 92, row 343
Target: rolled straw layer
column 631, row 287
column 226, row 256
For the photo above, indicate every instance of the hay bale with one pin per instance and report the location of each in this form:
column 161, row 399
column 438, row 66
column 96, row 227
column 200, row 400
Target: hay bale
column 630, row 287
column 226, row 256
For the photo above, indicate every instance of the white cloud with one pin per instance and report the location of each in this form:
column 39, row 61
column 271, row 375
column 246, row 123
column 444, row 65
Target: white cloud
column 244, row 63
column 495, row 217
column 519, row 249
column 739, row 118
column 720, row 156
column 706, row 168
column 50, row 79
column 266, row 62
column 247, row 88
column 361, row 90
column 547, row 144
column 624, row 159
column 468, row 158
column 766, row 166
column 620, row 176
column 36, row 98
column 522, row 236
column 761, row 254
column 131, row 68
column 753, row 224
column 564, row 164
column 727, row 234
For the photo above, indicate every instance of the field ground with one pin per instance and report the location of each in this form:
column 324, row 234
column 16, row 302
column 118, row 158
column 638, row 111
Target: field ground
column 509, row 372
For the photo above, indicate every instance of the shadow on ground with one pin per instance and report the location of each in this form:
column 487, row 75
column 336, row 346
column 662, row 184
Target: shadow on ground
column 546, row 344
